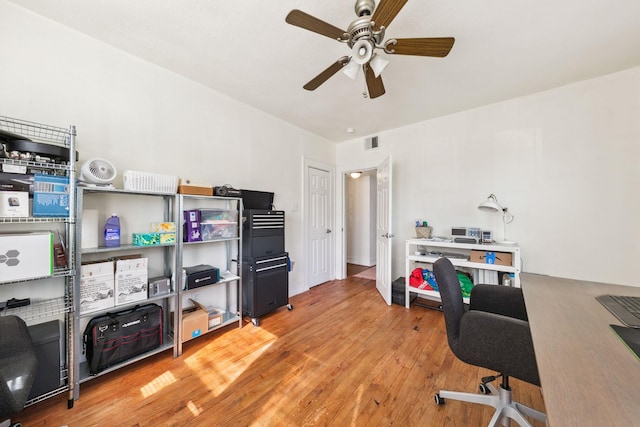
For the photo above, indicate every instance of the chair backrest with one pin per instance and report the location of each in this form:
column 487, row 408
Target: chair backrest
column 451, row 295
column 517, row 360
column 18, row 364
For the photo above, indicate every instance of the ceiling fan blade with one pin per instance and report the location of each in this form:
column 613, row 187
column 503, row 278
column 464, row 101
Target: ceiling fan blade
column 326, row 74
column 435, row 46
column 386, row 11
column 374, row 84
column 304, row 20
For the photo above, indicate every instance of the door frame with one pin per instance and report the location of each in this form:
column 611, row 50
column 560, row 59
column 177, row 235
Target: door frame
column 341, row 210
column 342, row 264
column 307, row 164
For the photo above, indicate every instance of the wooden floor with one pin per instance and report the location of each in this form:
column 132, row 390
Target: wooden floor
column 353, row 269
column 341, row 357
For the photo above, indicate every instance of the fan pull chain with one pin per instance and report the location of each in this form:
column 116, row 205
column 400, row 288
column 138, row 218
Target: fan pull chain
column 364, row 89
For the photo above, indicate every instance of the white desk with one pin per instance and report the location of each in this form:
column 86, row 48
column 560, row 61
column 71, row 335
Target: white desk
column 589, row 377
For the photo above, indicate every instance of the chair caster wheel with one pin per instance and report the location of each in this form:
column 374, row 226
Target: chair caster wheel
column 484, row 389
column 439, row 400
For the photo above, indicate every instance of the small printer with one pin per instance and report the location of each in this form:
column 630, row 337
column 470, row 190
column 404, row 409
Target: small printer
column 200, row 275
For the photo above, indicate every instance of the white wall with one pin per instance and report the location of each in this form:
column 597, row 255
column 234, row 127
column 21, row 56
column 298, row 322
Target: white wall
column 145, row 118
column 575, row 147
column 564, row 161
column 361, row 220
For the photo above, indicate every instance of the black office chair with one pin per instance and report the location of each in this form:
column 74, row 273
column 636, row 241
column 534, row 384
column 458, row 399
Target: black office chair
column 18, row 365
column 494, row 334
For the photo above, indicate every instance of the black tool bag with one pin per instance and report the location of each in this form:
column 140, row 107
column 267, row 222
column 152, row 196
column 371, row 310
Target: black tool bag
column 115, row 337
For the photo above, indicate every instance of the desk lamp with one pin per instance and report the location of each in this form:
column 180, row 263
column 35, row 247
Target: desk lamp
column 492, row 205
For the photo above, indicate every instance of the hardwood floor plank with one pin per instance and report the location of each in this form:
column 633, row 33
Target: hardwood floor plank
column 340, row 357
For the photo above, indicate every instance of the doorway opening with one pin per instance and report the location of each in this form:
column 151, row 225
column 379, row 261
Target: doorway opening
column 360, row 194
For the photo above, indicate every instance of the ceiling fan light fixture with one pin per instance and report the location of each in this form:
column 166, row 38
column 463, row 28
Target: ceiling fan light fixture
column 363, row 36
column 351, row 69
column 378, row 64
column 362, row 51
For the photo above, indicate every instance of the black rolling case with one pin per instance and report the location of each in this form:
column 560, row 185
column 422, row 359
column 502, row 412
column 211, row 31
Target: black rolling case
column 115, row 337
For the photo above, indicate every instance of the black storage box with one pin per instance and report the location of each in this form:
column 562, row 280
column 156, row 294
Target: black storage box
column 265, row 284
column 201, row 275
column 16, row 182
column 398, row 292
column 46, row 340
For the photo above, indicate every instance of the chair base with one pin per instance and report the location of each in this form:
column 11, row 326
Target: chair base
column 506, row 409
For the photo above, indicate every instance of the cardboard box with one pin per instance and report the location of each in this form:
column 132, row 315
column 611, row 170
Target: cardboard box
column 215, row 314
column 146, row 239
column 131, row 279
column 14, row 204
column 195, row 322
column 153, row 238
column 191, row 226
column 196, row 190
column 163, row 227
column 487, row 257
column 50, row 195
column 166, row 238
column 96, row 286
column 26, row 256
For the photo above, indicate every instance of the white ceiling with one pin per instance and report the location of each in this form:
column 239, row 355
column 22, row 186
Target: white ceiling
column 244, row 49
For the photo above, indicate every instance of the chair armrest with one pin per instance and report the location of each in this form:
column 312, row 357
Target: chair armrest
column 498, row 299
column 499, row 343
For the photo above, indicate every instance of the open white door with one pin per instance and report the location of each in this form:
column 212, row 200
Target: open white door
column 383, row 228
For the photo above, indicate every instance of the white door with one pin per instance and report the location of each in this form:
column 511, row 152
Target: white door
column 320, row 225
column 383, row 228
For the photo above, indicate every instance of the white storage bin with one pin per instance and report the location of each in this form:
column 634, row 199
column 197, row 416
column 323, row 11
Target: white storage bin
column 150, row 182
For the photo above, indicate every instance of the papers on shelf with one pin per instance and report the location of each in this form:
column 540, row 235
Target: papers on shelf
column 439, row 239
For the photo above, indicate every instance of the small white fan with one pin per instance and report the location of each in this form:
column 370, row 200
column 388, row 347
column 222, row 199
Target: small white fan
column 98, row 172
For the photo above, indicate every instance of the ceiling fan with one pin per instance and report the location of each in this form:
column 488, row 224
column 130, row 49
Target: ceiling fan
column 364, row 35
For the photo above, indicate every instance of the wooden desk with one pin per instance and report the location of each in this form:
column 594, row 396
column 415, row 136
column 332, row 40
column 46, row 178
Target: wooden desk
column 589, row 377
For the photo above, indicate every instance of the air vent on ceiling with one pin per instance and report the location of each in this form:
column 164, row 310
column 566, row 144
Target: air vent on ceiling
column 370, row 143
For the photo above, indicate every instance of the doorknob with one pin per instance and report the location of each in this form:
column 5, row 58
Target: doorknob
column 328, row 231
